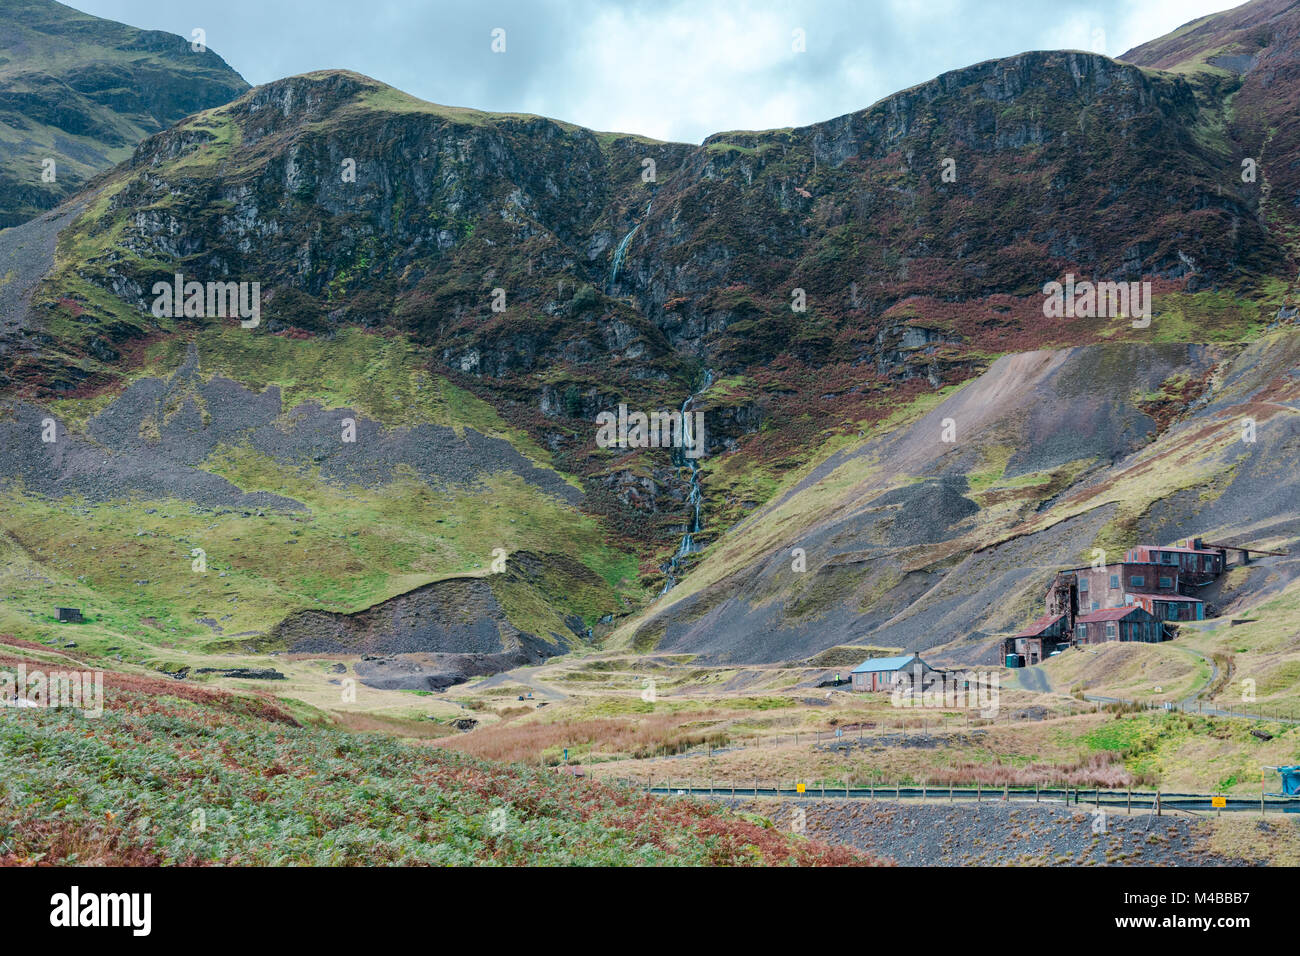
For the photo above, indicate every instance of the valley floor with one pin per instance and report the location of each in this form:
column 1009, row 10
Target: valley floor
column 317, row 767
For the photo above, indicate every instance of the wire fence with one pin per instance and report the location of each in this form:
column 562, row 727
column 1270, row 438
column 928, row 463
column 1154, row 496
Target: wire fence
column 1095, row 798
column 726, row 741
column 1283, row 714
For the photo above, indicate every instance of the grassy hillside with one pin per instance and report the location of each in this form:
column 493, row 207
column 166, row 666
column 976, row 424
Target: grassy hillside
column 175, row 775
column 338, row 541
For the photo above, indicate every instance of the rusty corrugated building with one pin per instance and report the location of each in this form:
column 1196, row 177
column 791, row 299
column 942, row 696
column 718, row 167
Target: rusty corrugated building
column 1160, row 581
column 1119, row 624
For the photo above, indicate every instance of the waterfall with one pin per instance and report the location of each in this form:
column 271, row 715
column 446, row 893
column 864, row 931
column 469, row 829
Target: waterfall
column 696, row 499
column 621, row 250
column 618, row 256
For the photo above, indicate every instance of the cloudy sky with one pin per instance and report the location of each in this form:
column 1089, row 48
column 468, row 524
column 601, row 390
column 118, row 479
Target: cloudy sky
column 673, row 69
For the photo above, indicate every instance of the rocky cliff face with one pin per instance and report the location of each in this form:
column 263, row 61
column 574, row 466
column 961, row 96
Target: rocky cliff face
column 1054, row 162
column 825, row 281
column 1252, row 53
column 989, row 180
column 559, row 271
column 80, row 92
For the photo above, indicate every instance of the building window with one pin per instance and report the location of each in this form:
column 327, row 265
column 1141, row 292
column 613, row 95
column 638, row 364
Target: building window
column 1114, row 580
column 1166, row 582
column 1171, row 613
column 1083, row 584
column 1110, row 629
column 1095, row 606
column 1137, row 581
column 1083, row 630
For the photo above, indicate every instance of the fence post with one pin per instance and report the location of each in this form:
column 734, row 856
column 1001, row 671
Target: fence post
column 1157, row 803
column 1035, row 792
column 978, row 792
column 1128, row 802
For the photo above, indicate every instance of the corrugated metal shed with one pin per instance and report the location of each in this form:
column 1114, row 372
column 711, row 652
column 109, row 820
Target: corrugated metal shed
column 1110, row 614
column 1040, row 625
column 877, row 664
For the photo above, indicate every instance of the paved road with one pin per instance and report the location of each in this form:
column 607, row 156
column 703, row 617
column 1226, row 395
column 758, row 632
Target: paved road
column 1035, row 678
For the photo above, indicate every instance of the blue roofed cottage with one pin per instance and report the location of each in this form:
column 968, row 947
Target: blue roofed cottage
column 882, row 673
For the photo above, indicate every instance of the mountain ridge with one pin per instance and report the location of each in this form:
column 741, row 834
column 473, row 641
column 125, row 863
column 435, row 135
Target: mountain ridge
column 383, row 226
column 81, row 92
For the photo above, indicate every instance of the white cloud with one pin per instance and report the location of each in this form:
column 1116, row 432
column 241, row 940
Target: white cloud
column 673, row 69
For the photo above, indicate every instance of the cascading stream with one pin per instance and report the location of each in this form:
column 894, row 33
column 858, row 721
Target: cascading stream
column 621, row 250
column 696, row 499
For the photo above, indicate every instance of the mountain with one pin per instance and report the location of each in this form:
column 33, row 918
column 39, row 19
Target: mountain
column 470, row 290
column 82, row 92
column 907, row 540
column 1251, row 56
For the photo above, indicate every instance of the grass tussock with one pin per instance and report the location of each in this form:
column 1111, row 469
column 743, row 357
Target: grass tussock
column 1104, row 769
column 544, row 743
